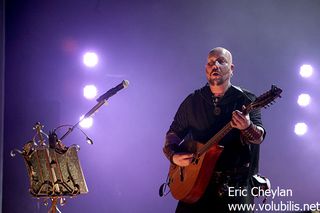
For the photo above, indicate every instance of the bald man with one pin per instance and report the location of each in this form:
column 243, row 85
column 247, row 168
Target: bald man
column 200, row 116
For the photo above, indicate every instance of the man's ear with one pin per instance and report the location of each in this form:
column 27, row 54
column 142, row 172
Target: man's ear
column 232, row 67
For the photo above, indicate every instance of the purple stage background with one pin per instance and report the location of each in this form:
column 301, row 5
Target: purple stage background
column 161, row 48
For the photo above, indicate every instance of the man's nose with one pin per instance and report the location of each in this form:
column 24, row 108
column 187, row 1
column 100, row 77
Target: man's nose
column 214, row 67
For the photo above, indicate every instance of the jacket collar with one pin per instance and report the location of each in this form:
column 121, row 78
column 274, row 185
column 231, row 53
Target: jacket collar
column 230, row 95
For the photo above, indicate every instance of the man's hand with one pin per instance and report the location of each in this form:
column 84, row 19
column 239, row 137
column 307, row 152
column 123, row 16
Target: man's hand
column 182, row 159
column 239, row 120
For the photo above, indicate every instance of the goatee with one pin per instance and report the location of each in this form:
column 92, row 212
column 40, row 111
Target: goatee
column 216, row 82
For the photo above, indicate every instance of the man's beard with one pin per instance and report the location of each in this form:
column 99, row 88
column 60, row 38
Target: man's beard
column 217, row 81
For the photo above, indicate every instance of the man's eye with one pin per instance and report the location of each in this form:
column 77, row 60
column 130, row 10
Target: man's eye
column 221, row 61
column 210, row 64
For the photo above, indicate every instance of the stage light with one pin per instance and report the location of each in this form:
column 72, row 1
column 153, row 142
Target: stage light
column 306, row 70
column 304, row 100
column 90, row 59
column 86, row 123
column 90, row 91
column 300, row 129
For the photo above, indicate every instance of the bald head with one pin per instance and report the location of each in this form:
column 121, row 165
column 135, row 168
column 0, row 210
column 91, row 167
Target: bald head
column 219, row 68
column 221, row 52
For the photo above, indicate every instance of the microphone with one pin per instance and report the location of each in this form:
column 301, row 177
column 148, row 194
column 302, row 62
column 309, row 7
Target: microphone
column 124, row 84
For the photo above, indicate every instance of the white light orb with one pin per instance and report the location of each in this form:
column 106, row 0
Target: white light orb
column 300, row 129
column 90, row 59
column 86, row 123
column 90, row 91
column 304, row 100
column 306, row 71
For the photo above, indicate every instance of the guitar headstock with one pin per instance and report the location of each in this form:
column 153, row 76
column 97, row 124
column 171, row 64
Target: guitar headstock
column 264, row 100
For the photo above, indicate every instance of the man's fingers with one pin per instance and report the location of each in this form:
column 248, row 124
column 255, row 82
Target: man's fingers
column 184, row 155
column 187, row 156
column 238, row 118
column 182, row 159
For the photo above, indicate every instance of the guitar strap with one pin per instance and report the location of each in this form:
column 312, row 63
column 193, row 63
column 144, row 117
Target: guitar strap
column 164, row 188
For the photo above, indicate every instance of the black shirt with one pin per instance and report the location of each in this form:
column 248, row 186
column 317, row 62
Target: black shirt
column 196, row 119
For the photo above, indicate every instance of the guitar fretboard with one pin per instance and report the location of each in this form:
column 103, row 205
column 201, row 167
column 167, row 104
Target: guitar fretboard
column 215, row 139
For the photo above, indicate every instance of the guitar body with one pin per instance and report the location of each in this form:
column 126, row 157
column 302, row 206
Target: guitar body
column 189, row 183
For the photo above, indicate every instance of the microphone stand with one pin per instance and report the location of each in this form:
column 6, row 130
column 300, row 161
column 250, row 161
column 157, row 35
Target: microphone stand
column 101, row 100
column 87, row 115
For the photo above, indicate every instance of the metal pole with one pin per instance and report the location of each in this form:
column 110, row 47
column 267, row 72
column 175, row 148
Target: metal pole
column 88, row 114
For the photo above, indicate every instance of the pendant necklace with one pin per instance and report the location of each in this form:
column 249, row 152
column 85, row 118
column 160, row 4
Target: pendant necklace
column 216, row 110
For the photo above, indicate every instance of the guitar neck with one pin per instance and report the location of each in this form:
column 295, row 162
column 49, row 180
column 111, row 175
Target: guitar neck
column 263, row 100
column 215, row 139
